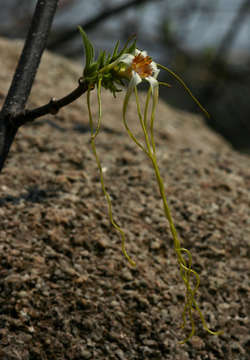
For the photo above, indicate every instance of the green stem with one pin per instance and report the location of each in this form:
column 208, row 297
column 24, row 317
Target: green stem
column 178, row 78
column 124, row 111
column 94, row 133
column 186, row 270
column 146, row 107
column 155, row 102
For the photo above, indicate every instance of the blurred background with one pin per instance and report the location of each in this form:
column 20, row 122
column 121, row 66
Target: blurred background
column 206, row 42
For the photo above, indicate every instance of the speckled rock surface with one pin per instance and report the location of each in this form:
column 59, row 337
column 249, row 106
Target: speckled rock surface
column 66, row 290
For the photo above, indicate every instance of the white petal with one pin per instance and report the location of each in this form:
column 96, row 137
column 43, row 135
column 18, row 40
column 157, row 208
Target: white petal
column 135, row 79
column 126, row 59
column 156, row 73
column 153, row 82
column 130, row 89
column 155, row 69
column 143, row 53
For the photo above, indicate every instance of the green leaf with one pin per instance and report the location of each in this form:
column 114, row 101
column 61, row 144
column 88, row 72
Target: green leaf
column 132, row 47
column 115, row 50
column 91, row 70
column 89, row 50
column 108, row 59
column 101, row 59
column 125, row 47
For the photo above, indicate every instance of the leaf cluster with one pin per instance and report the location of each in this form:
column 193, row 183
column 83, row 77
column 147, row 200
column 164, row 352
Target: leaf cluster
column 104, row 66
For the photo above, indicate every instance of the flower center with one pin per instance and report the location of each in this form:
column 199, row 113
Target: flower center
column 142, row 65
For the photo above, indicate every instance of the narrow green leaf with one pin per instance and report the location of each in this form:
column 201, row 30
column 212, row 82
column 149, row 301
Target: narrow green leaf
column 89, row 50
column 132, row 47
column 108, row 60
column 101, row 59
column 125, row 47
column 115, row 50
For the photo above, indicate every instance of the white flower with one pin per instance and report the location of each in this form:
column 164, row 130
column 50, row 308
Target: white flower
column 140, row 67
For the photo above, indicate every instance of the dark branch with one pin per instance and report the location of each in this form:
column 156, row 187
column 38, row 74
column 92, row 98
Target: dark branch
column 25, row 73
column 234, row 29
column 30, row 58
column 69, row 35
column 52, row 107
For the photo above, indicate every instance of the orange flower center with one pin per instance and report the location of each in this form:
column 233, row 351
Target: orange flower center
column 141, row 65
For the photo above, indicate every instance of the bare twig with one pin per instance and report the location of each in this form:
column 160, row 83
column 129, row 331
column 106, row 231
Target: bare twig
column 53, row 105
column 69, row 35
column 236, row 25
